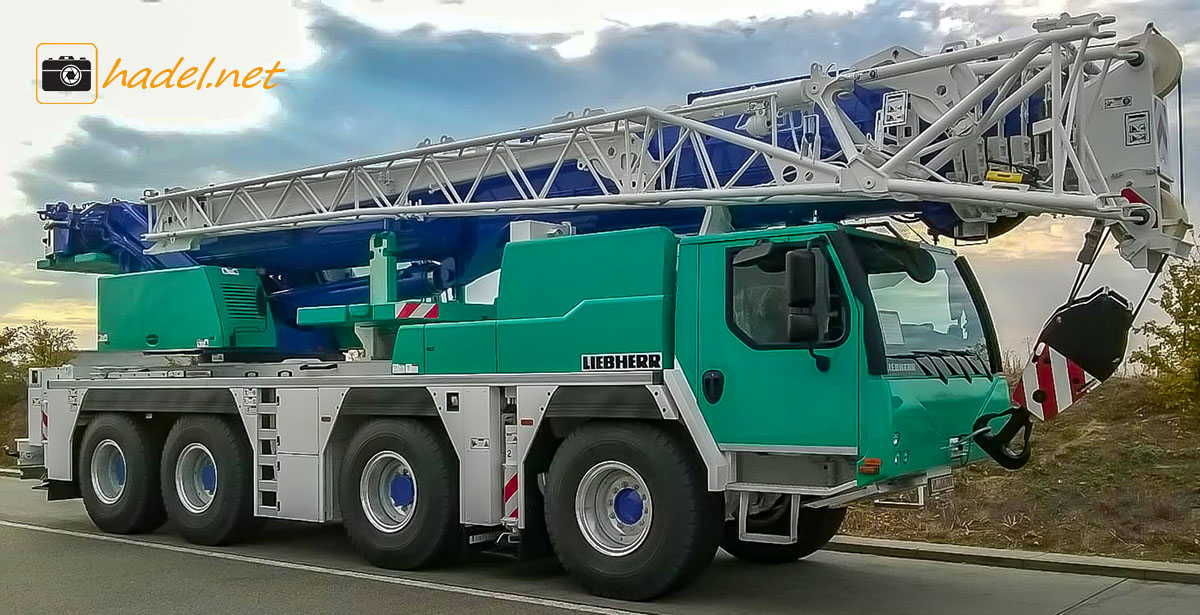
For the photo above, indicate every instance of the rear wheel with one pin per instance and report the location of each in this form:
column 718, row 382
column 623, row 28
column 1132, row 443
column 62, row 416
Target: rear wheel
column 118, row 474
column 815, row 527
column 628, row 510
column 208, row 480
column 399, row 494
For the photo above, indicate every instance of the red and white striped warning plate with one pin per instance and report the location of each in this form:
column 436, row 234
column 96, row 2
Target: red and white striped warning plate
column 417, row 309
column 510, row 495
column 1051, row 383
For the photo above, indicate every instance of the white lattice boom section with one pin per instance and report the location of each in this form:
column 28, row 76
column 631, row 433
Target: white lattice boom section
column 1080, row 114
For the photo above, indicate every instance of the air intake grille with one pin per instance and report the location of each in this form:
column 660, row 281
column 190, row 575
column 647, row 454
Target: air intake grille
column 242, row 301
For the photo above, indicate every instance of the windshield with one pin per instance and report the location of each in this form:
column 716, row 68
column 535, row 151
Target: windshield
column 924, row 305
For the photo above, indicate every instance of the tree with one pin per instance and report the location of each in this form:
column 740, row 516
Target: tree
column 40, row 345
column 1172, row 353
column 36, row 344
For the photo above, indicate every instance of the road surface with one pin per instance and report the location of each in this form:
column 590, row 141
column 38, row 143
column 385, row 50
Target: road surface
column 55, row 561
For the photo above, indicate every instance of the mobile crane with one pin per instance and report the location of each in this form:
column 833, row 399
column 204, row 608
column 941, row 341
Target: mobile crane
column 628, row 337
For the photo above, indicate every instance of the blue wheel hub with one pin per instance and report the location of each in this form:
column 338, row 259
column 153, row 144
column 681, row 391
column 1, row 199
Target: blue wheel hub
column 119, row 470
column 402, row 490
column 208, row 476
column 628, row 506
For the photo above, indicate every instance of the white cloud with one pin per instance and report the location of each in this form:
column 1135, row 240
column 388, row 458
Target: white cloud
column 239, row 34
column 581, row 21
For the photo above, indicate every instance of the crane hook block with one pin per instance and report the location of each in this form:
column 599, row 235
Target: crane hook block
column 1081, row 345
column 999, row 446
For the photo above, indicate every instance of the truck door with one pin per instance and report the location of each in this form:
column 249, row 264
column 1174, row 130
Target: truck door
column 756, row 388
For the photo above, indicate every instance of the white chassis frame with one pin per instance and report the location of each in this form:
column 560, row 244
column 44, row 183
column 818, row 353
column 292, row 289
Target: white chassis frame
column 310, row 406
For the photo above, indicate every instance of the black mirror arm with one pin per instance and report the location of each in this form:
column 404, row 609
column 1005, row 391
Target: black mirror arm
column 822, row 362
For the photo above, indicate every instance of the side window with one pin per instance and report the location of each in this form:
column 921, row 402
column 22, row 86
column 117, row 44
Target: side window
column 757, row 301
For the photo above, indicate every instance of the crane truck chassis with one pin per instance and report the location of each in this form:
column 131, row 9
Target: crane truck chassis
column 685, row 348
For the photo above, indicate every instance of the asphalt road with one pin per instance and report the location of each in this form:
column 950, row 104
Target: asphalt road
column 52, row 560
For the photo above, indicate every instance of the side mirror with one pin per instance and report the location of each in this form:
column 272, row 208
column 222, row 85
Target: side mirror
column 801, row 278
column 806, row 275
column 802, row 329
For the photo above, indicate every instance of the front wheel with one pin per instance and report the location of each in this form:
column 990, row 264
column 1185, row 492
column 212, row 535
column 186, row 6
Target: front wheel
column 628, row 510
column 815, row 527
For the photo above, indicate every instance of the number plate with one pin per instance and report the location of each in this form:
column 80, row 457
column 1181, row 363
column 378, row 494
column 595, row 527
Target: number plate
column 941, row 484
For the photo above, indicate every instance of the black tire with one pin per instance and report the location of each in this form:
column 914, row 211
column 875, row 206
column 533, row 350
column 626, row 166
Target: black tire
column 815, row 528
column 430, row 533
column 138, row 504
column 229, row 516
column 685, row 518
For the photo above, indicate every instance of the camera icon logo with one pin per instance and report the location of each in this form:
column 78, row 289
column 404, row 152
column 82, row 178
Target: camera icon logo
column 65, row 73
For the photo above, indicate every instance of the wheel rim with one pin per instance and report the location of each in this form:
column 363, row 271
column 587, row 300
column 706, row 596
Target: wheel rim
column 108, row 471
column 387, row 491
column 196, row 478
column 613, row 508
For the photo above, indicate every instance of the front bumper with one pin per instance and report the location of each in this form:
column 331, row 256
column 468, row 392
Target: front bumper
column 934, row 480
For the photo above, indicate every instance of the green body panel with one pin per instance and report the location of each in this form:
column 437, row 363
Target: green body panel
column 559, row 299
column 566, row 297
column 460, row 348
column 88, row 262
column 408, row 353
column 323, row 316
column 772, row 396
column 687, row 313
column 550, row 277
column 908, row 422
column 385, row 313
column 182, row 309
column 595, row 326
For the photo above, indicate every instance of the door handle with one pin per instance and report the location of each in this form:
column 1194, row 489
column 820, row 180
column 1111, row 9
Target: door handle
column 712, row 383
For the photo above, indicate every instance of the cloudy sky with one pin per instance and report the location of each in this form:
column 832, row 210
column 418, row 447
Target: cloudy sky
column 366, row 77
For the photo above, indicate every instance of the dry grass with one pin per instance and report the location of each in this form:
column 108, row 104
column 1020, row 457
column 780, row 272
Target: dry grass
column 1114, row 476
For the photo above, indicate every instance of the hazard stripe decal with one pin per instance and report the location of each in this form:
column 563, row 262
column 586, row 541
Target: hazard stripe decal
column 510, row 497
column 1061, row 382
column 1051, row 383
column 417, row 309
column 510, row 488
column 1045, row 384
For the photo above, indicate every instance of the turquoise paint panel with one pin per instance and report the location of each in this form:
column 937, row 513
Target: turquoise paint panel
column 596, row 326
column 687, row 329
column 923, row 414
column 460, row 348
column 409, row 348
column 773, row 396
column 550, row 277
column 182, row 309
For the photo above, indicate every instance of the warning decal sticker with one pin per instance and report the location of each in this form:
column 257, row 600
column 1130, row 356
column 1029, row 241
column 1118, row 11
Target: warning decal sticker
column 1137, row 128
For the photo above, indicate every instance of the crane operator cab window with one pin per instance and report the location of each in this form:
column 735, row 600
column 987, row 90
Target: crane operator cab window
column 759, row 306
